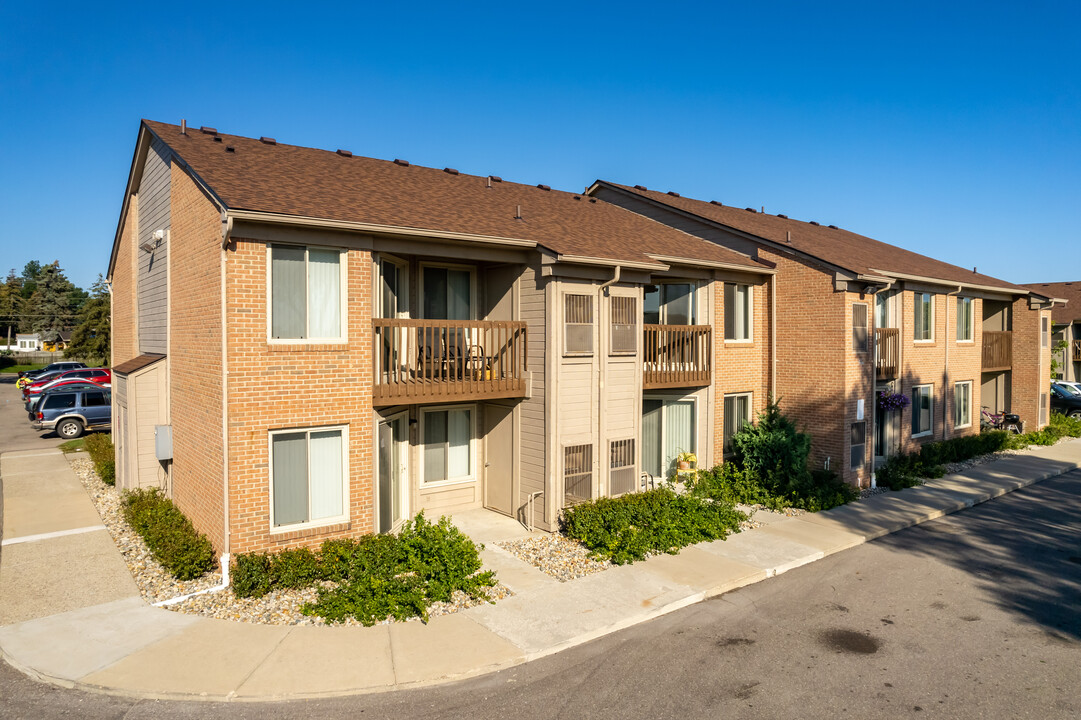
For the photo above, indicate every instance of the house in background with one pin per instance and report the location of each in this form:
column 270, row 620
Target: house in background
column 27, row 342
column 1065, row 325
column 310, row 344
column 857, row 319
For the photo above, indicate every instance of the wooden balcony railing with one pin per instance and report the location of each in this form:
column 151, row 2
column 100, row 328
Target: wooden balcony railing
column 677, row 355
column 1077, row 350
column 997, row 350
column 887, row 353
column 422, row 361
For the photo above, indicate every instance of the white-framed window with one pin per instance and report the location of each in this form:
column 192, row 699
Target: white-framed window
column 621, row 475
column 737, row 413
column 860, row 331
column 923, row 410
column 962, row 404
column 737, row 312
column 1045, row 332
column 305, row 293
column 578, row 324
column 923, row 320
column 964, row 319
column 393, row 288
column 623, row 337
column 447, row 448
column 668, row 428
column 577, row 474
column 308, row 477
column 669, row 303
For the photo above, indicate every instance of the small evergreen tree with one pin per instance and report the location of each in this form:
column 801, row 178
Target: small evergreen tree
column 774, row 450
column 11, row 305
column 50, row 306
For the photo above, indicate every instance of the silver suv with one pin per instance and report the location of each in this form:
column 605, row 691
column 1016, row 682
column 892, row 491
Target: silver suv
column 70, row 413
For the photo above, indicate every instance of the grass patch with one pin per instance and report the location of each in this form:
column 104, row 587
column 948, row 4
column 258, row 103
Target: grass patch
column 170, row 536
column 73, row 445
column 632, row 527
column 20, row 368
column 374, row 577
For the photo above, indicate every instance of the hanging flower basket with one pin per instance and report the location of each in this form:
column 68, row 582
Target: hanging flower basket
column 888, row 401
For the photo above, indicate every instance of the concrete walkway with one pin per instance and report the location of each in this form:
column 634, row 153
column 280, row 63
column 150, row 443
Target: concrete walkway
column 70, row 613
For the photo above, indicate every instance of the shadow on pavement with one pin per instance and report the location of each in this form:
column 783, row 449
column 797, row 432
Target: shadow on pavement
column 1023, row 548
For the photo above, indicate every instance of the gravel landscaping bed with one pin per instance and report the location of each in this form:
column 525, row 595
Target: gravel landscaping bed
column 156, row 584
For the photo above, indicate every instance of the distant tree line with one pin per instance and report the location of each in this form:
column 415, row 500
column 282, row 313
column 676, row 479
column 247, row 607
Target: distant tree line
column 42, row 300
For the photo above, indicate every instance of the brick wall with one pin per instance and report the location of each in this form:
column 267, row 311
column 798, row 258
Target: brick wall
column 195, row 371
column 740, row 367
column 300, row 386
column 1031, row 374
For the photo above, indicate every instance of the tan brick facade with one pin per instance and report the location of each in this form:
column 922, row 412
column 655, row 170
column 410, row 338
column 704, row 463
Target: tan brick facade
column 1031, row 364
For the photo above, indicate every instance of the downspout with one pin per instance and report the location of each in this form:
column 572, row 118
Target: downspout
column 615, row 278
column 873, row 371
column 226, row 232
column 946, row 368
column 602, row 367
column 773, row 337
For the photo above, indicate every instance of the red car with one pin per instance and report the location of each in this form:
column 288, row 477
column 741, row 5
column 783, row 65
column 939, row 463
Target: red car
column 100, row 376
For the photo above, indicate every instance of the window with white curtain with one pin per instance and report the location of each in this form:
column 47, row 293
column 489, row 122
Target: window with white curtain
column 305, row 293
column 962, row 404
column 964, row 319
column 737, row 311
column 447, row 438
column 737, row 413
column 923, row 319
column 668, row 428
column 308, row 474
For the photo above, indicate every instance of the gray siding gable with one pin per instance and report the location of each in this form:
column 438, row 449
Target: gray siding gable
column 154, row 214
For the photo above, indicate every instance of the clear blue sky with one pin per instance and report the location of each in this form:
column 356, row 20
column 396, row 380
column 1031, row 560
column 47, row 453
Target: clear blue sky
column 952, row 129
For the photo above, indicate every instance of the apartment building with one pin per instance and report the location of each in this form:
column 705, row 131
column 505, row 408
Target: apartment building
column 310, row 344
column 859, row 322
column 1065, row 325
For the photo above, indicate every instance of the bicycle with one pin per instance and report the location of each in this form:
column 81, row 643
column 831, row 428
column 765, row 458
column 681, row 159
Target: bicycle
column 1008, row 421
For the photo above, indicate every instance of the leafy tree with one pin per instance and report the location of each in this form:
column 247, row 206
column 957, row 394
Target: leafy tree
column 30, row 278
column 50, row 306
column 11, row 305
column 1058, row 357
column 91, row 337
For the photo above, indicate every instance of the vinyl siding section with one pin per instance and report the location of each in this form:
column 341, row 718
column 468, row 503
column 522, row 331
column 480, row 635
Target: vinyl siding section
column 154, row 214
column 533, row 468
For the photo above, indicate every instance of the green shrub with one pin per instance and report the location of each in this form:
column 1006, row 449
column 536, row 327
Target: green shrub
column 100, row 448
column 633, row 526
column 819, row 490
column 376, row 576
column 169, row 535
column 774, row 450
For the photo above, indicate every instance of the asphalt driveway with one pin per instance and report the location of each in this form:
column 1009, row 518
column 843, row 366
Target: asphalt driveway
column 15, row 430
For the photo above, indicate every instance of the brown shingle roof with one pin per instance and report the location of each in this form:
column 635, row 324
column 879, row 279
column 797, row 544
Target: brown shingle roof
column 248, row 174
column 1070, row 291
column 841, row 248
column 138, row 363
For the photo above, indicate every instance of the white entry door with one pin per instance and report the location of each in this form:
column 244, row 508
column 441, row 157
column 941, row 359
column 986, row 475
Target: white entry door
column 393, row 436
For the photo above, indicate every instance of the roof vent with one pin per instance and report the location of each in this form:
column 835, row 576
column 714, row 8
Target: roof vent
column 268, row 141
column 673, row 194
column 495, row 178
column 782, row 216
column 208, row 130
column 834, row 227
column 593, row 199
column 812, row 222
column 577, row 197
column 750, row 209
column 718, row 203
column 230, row 148
column 640, row 187
column 450, row 171
column 544, row 187
column 403, row 163
column 217, row 138
column 344, row 153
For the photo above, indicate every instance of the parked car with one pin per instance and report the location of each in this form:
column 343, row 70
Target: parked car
column 101, row 376
column 62, row 385
column 71, row 413
column 25, row 382
column 1065, row 402
column 53, row 367
column 1074, row 387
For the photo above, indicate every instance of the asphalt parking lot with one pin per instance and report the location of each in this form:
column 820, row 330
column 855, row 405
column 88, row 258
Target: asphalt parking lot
column 15, row 430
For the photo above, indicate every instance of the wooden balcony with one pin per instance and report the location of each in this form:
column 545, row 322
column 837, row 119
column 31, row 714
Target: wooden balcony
column 887, row 353
column 677, row 356
column 433, row 361
column 997, row 350
column 1077, row 350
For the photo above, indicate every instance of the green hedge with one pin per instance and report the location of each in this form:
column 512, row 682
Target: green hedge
column 633, row 526
column 376, row 576
column 813, row 491
column 172, row 539
column 102, row 453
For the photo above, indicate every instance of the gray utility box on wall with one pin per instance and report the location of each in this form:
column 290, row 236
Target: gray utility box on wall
column 163, row 442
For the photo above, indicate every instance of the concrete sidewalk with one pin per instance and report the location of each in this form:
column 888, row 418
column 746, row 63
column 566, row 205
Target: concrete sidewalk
column 71, row 615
